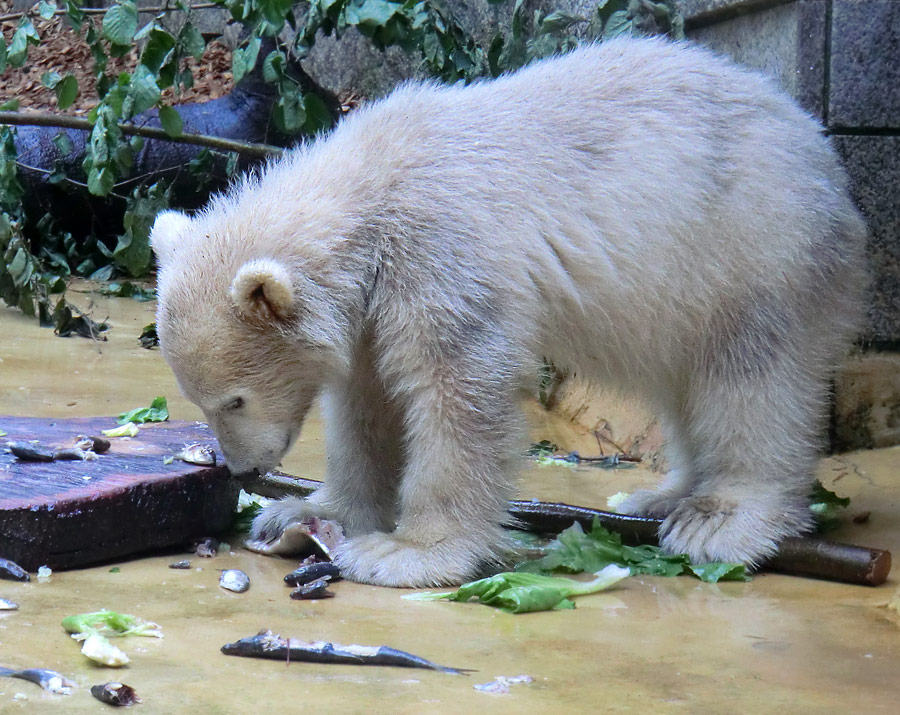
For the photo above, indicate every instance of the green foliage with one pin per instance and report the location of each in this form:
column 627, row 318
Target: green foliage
column 427, row 29
column 133, row 253
column 522, row 592
column 575, row 551
column 157, row 412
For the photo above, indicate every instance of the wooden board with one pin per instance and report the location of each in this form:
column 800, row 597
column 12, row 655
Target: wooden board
column 65, row 514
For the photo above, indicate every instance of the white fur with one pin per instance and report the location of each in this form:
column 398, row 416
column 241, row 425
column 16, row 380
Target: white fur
column 643, row 213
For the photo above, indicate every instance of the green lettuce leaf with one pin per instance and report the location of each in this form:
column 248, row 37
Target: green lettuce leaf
column 109, row 624
column 157, row 412
column 575, row 551
column 519, row 592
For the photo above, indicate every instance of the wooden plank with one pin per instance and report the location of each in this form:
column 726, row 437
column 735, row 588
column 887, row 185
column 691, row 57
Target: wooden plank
column 65, row 514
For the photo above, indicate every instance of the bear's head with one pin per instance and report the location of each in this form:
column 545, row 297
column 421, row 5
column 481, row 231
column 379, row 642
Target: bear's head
column 247, row 334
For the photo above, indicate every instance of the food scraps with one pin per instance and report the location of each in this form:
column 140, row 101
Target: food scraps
column 34, row 452
column 115, row 694
column 99, row 649
column 157, row 412
column 11, row 571
column 201, row 454
column 500, row 684
column 7, row 605
column 207, row 547
column 577, row 551
column 49, row 680
column 234, row 580
column 313, row 590
column 309, row 572
column 265, row 644
column 312, row 535
column 95, row 628
column 519, row 592
column 129, row 429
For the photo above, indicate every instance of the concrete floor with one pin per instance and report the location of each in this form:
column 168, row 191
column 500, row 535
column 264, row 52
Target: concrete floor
column 652, row 645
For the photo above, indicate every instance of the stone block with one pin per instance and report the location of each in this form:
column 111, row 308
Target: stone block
column 867, row 402
column 786, row 42
column 864, row 87
column 873, row 163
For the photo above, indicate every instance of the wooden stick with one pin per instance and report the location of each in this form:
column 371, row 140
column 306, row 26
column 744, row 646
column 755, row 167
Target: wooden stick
column 797, row 555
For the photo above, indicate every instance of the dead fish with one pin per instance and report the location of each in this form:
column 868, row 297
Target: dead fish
column 201, row 454
column 74, row 453
column 49, row 680
column 7, row 605
column 115, row 694
column 312, row 535
column 99, row 445
column 313, row 590
column 11, row 571
column 180, row 564
column 207, row 547
column 234, row 580
column 312, row 572
column 265, row 644
column 29, row 452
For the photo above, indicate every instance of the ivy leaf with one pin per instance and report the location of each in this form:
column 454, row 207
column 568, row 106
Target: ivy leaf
column 243, row 60
column 143, row 90
column 192, row 40
column 157, row 50
column 618, row 24
column 120, row 23
column 50, row 79
column 289, row 112
column 170, row 120
column 66, row 91
column 133, row 249
column 273, row 66
column 63, row 144
column 46, row 9
column 275, row 11
column 100, row 181
column 318, row 117
column 2, row 54
column 24, row 35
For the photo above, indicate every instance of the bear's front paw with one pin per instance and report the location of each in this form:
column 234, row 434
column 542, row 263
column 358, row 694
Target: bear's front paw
column 709, row 528
column 385, row 559
column 269, row 525
column 658, row 503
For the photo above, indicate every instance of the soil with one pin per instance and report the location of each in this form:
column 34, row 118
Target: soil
column 63, row 50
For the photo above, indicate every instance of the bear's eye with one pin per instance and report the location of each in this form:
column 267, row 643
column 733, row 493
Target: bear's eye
column 236, row 404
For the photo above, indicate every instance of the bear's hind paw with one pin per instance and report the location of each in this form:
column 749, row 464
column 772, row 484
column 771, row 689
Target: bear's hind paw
column 709, row 528
column 384, row 559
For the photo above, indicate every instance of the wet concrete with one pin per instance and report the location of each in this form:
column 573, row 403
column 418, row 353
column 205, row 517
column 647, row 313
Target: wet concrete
column 652, row 645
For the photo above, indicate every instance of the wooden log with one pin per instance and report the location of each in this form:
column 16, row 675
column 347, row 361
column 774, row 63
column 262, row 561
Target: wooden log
column 65, row 514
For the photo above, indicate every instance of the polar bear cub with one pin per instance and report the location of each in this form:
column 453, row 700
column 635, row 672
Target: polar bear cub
column 640, row 212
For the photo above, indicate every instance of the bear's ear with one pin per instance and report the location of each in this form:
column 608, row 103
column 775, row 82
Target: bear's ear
column 262, row 289
column 169, row 230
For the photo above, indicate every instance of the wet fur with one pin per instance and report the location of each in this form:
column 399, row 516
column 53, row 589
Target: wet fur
column 642, row 213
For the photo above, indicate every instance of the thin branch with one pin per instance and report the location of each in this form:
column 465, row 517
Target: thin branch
column 65, row 121
column 102, row 10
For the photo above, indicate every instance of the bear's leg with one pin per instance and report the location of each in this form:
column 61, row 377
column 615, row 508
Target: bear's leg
column 753, row 429
column 676, row 483
column 364, row 459
column 461, row 432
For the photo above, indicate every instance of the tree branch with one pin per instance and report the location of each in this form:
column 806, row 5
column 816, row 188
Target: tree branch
column 102, row 10
column 65, row 121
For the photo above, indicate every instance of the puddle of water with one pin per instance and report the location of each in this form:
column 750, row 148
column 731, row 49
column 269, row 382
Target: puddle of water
column 653, row 645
